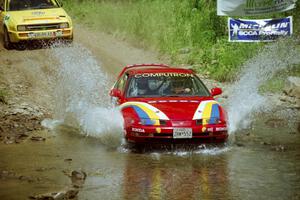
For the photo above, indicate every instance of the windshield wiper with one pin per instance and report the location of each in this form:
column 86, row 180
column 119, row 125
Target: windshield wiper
column 166, row 95
column 43, row 6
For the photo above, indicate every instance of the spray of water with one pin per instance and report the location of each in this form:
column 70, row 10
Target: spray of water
column 245, row 100
column 81, row 95
column 82, row 88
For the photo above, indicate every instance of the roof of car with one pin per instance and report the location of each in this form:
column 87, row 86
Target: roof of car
column 155, row 68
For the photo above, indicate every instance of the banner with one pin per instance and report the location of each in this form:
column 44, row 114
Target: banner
column 241, row 30
column 253, row 7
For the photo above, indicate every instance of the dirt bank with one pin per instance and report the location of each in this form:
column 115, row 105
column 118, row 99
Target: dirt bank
column 27, row 100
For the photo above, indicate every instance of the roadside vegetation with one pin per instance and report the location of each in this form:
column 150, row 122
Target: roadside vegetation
column 189, row 31
column 3, row 96
column 277, row 83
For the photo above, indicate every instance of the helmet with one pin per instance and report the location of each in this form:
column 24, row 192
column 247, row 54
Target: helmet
column 142, row 85
column 154, row 84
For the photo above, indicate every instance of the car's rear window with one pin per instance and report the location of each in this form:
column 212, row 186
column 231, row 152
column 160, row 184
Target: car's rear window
column 165, row 85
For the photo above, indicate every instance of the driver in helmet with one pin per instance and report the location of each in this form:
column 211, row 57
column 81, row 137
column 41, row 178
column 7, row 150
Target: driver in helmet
column 180, row 86
column 142, row 86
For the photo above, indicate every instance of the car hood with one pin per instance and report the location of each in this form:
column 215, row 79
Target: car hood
column 38, row 16
column 176, row 109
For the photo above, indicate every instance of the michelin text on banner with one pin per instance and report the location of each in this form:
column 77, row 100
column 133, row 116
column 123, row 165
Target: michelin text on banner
column 241, row 30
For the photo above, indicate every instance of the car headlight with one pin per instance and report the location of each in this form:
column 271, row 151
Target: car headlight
column 21, row 28
column 64, row 25
column 147, row 121
column 209, row 121
column 163, row 122
column 199, row 122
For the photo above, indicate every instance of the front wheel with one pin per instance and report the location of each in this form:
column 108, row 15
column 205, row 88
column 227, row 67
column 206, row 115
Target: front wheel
column 6, row 41
column 69, row 41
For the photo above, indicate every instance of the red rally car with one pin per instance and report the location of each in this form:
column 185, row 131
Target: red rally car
column 162, row 103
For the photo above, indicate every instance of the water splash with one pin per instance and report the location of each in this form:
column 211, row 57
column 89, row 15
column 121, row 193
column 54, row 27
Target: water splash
column 245, row 100
column 180, row 150
column 81, row 95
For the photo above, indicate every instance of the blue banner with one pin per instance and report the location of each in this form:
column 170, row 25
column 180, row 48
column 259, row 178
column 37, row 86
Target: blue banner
column 241, row 30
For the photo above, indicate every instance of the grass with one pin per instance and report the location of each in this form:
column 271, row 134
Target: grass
column 277, row 83
column 3, row 96
column 189, row 31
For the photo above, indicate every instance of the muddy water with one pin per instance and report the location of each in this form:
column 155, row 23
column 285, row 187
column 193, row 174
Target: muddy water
column 260, row 163
column 249, row 170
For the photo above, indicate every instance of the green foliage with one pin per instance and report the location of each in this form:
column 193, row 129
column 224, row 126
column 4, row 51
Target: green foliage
column 276, row 84
column 187, row 30
column 3, row 95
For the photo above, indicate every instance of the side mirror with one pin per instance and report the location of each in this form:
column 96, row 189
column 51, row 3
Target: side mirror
column 216, row 91
column 115, row 93
column 1, row 8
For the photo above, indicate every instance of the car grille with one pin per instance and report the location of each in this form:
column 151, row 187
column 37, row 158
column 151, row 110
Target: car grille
column 40, row 27
column 181, row 123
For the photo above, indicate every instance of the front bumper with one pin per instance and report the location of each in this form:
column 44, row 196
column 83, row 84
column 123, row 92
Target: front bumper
column 141, row 134
column 18, row 36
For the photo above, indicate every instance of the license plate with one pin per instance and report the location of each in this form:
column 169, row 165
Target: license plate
column 182, row 133
column 44, row 34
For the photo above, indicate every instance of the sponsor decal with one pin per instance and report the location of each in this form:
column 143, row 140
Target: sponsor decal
column 146, row 75
column 38, row 13
column 210, row 129
column 208, row 111
column 174, row 101
column 221, row 129
column 6, row 17
column 241, row 30
column 140, row 130
column 149, row 114
column 253, row 7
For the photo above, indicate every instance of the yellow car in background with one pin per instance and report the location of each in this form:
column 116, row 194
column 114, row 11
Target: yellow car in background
column 25, row 21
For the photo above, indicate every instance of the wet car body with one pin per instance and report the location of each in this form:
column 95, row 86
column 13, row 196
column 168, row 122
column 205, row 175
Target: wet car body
column 168, row 114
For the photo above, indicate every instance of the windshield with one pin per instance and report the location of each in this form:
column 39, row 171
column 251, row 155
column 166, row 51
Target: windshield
column 166, row 84
column 15, row 5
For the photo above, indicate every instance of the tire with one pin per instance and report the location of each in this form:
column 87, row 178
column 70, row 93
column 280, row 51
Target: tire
column 69, row 41
column 6, row 41
column 21, row 46
column 72, row 38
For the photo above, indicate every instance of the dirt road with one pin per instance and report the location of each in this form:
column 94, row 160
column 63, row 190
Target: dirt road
column 29, row 77
column 28, row 74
